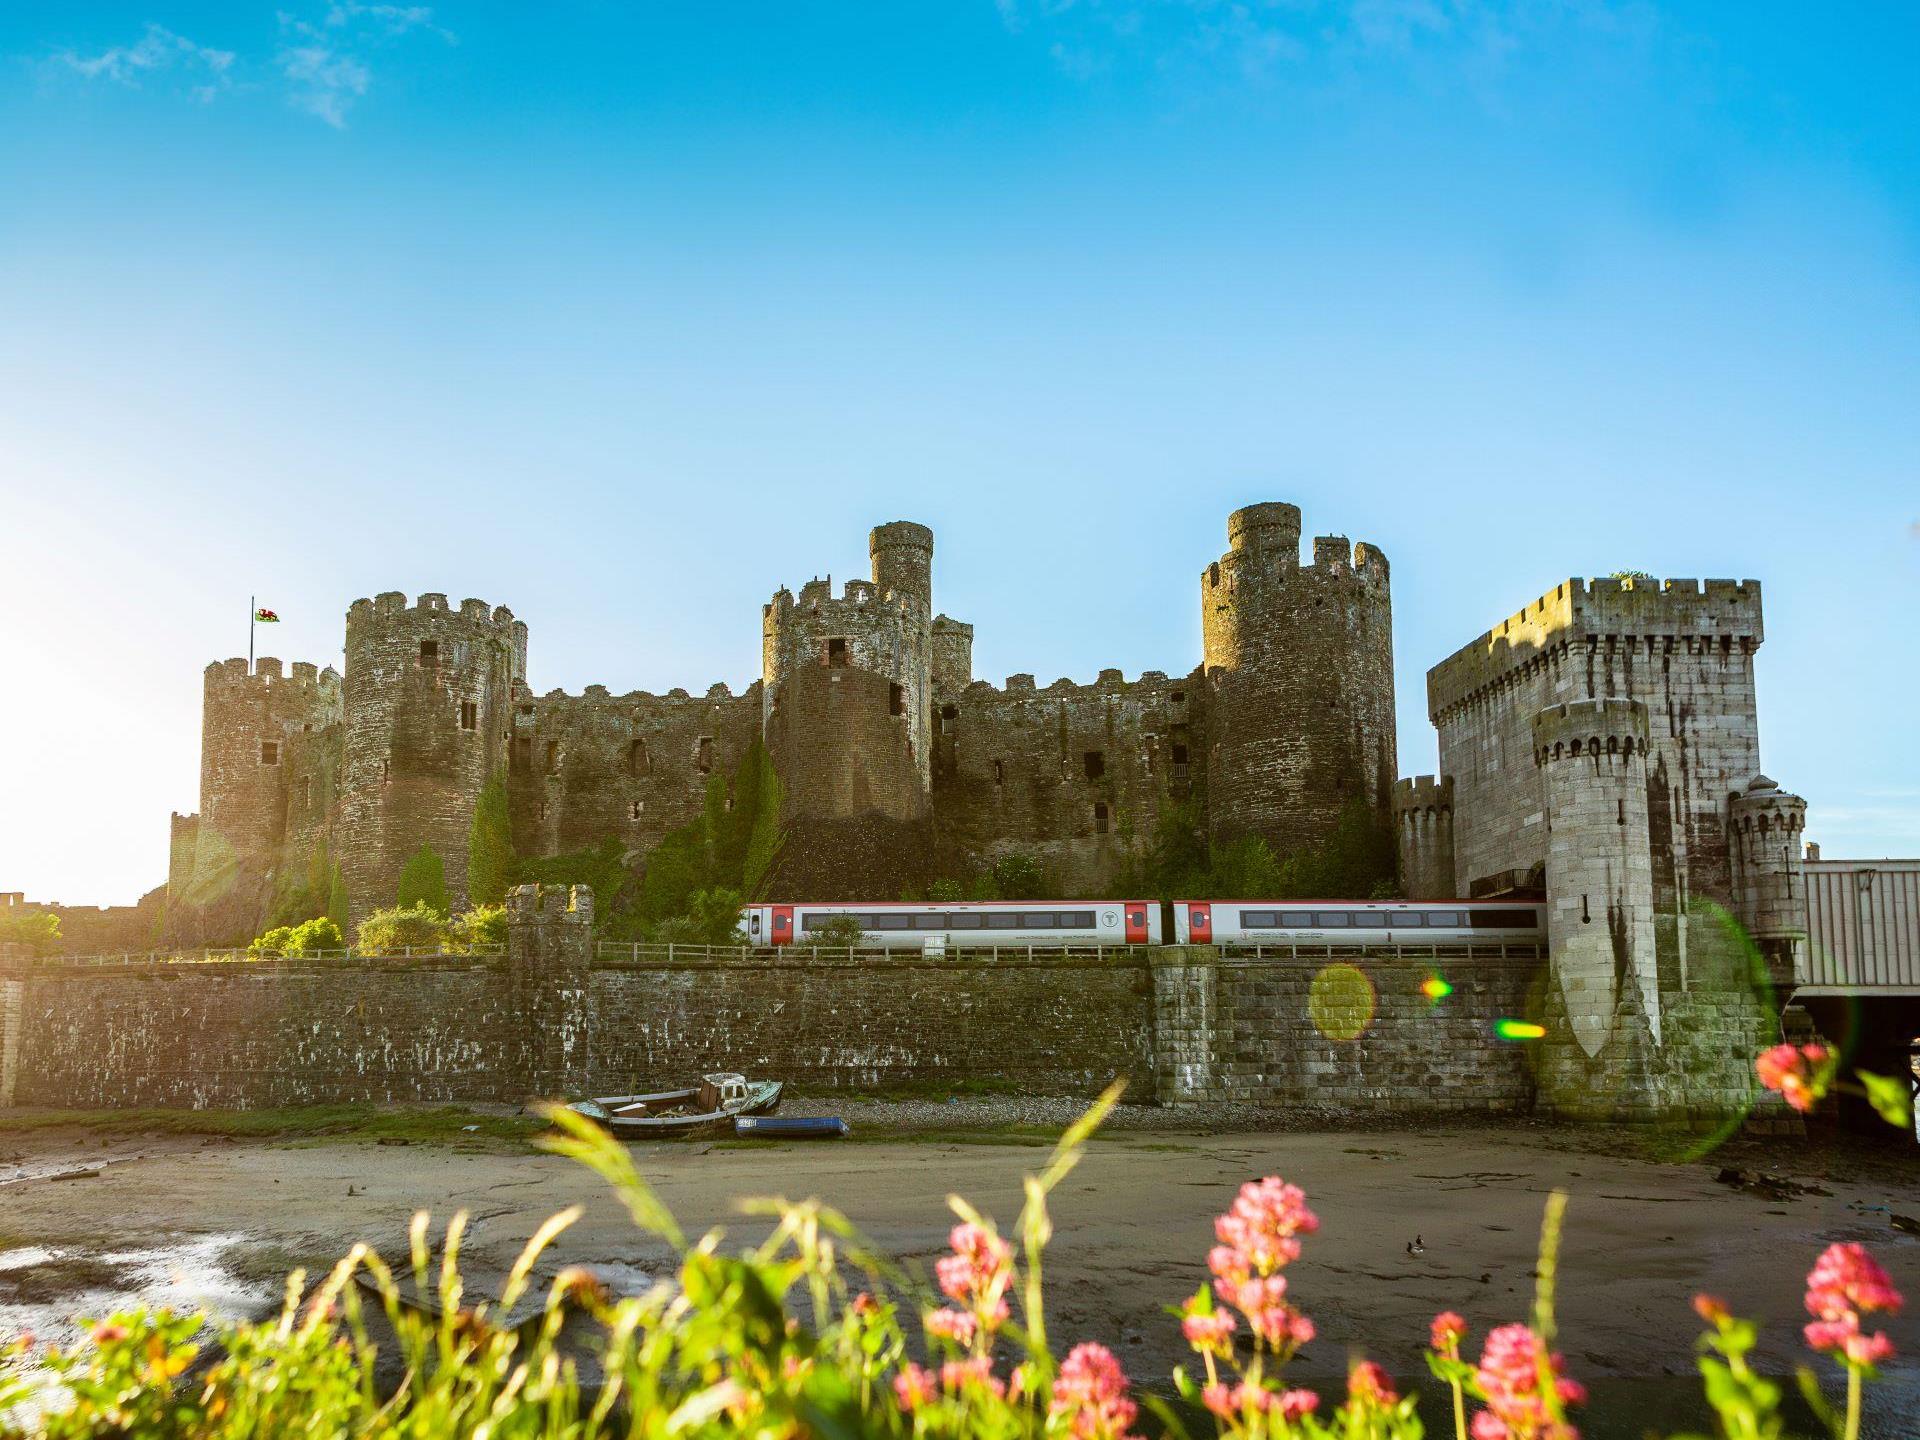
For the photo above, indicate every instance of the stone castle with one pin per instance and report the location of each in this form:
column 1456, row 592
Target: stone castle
column 898, row 766
column 1600, row 748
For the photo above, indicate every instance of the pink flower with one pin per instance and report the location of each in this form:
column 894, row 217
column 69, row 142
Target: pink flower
column 1509, row 1377
column 1368, row 1384
column 913, row 1387
column 1210, row 1333
column 1295, row 1403
column 959, row 1326
column 977, row 1273
column 1222, row 1400
column 1800, row 1073
column 1446, row 1333
column 1845, row 1282
column 865, row 1304
column 1090, row 1393
column 960, row 1374
column 1265, row 1223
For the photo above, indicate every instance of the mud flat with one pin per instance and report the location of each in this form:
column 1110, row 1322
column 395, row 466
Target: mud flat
column 195, row 1220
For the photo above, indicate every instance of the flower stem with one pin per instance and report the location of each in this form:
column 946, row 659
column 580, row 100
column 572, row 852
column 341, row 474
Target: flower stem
column 1459, row 1412
column 1853, row 1402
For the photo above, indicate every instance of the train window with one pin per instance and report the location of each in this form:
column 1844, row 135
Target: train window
column 1334, row 919
column 818, row 922
column 1036, row 920
column 1402, row 919
column 888, row 922
column 1077, row 919
column 1258, row 920
column 1503, row 919
column 930, row 922
column 1451, row 919
column 966, row 920
column 1294, row 920
column 1370, row 919
column 1003, row 920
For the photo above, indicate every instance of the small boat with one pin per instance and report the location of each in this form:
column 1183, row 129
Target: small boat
column 791, row 1127
column 712, row 1104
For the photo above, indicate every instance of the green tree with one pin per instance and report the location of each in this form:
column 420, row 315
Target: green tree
column 313, row 936
column 482, row 925
column 423, row 881
column 412, row 927
column 38, row 930
column 490, row 859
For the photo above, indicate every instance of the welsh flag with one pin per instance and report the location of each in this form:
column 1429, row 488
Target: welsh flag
column 266, row 617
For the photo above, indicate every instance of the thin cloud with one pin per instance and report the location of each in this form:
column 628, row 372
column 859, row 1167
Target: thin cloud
column 159, row 51
column 324, row 59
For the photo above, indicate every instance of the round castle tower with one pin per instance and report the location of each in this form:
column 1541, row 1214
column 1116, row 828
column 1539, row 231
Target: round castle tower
column 1766, row 828
column 428, row 697
column 256, row 731
column 882, row 627
column 1423, row 834
column 1592, row 758
column 1300, row 664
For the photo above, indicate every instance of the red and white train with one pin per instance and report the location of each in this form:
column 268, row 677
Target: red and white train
column 959, row 924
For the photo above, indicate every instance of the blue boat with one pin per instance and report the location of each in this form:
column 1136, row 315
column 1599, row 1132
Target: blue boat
column 791, row 1127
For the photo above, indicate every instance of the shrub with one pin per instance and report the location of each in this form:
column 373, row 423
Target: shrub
column 313, row 936
column 38, row 930
column 1019, row 877
column 712, row 918
column 423, row 881
column 273, row 942
column 482, row 925
column 415, row 927
column 840, row 932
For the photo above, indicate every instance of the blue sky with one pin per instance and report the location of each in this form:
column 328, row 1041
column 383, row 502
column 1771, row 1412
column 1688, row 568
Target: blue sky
column 623, row 314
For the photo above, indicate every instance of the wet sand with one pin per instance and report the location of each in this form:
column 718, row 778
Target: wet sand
column 211, row 1221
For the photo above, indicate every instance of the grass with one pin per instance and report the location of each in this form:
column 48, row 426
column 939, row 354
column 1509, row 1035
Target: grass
column 440, row 1125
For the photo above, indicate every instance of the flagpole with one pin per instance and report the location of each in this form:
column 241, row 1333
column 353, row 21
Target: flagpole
column 252, row 614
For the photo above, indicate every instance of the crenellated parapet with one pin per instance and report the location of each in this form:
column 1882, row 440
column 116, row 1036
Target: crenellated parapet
column 1611, row 619
column 1299, row 660
column 1591, row 729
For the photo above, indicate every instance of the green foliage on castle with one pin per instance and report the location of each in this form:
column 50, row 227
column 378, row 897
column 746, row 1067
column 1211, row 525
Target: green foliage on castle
column 490, row 858
column 423, row 881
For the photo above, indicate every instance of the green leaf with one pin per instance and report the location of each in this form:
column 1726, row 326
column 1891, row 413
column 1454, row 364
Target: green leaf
column 1891, row 1097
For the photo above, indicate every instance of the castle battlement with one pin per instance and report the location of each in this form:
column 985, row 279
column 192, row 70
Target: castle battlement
column 1422, row 792
column 1111, row 684
column 1608, row 611
column 1585, row 728
column 817, row 597
column 430, row 605
column 1335, row 557
column 267, row 674
column 597, row 695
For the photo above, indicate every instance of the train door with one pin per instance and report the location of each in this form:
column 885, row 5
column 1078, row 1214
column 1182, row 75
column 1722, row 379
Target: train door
column 1199, row 924
column 782, row 925
column 1136, row 922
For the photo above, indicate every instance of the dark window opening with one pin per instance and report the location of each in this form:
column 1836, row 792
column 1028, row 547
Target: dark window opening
column 1095, row 762
column 1179, row 754
column 999, row 773
column 633, row 810
column 429, row 652
column 1179, row 697
column 307, row 793
column 1099, row 817
column 910, row 752
column 269, row 752
column 703, row 755
column 1623, row 811
column 386, row 771
column 896, row 699
column 306, row 729
column 837, row 652
column 948, row 714
column 1520, row 919
column 469, row 715
column 637, row 758
column 553, row 756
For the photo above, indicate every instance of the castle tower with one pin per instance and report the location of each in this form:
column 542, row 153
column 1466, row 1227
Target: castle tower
column 254, row 726
column 1591, row 756
column 427, row 698
column 1765, row 828
column 1423, row 832
column 1299, row 660
column 902, row 554
column 952, row 657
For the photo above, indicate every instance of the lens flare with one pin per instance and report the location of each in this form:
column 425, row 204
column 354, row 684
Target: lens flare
column 1518, row 1030
column 1435, row 989
column 1340, row 1002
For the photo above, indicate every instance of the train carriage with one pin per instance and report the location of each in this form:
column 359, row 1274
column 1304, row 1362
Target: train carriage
column 1357, row 922
column 964, row 924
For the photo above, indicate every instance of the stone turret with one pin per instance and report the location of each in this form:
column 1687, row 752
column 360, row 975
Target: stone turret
column 1766, row 827
column 427, row 693
column 1591, row 757
column 1300, row 664
column 1423, row 832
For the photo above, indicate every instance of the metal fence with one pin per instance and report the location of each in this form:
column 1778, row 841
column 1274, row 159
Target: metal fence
column 228, row 957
